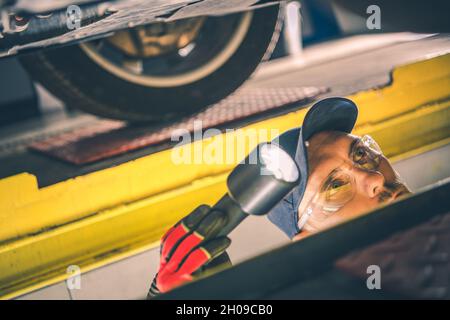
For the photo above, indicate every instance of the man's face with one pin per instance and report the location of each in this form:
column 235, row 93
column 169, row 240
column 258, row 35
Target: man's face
column 346, row 179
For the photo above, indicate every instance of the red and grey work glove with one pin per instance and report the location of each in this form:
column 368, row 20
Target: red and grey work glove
column 188, row 246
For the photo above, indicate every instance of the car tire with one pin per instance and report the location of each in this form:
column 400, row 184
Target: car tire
column 82, row 83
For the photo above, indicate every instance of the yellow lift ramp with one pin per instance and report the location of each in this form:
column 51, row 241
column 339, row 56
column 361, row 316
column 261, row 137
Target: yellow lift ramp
column 104, row 216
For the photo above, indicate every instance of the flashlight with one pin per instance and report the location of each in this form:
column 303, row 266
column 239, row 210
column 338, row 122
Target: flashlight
column 259, row 183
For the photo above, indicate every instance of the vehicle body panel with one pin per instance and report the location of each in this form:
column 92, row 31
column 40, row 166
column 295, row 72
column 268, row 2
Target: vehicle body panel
column 101, row 18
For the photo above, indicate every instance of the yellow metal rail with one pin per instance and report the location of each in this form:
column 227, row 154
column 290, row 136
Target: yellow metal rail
column 107, row 215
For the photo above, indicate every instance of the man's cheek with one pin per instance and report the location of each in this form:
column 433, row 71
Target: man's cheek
column 358, row 206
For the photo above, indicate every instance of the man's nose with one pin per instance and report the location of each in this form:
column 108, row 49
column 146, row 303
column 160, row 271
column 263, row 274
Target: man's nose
column 372, row 182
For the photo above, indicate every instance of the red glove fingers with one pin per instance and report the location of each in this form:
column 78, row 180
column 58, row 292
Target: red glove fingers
column 203, row 255
column 182, row 228
column 168, row 279
column 206, row 229
column 173, row 240
column 189, row 245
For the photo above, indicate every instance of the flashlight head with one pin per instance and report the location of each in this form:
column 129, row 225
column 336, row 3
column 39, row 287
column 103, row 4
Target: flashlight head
column 263, row 179
column 277, row 162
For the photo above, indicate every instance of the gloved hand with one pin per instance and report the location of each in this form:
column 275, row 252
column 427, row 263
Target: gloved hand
column 187, row 246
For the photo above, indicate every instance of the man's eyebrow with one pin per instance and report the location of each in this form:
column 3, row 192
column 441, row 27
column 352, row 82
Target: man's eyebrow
column 352, row 145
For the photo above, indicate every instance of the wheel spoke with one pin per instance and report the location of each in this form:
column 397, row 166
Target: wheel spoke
column 133, row 65
column 178, row 54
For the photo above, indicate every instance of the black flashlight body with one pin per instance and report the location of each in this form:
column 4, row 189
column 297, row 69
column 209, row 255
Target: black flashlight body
column 235, row 215
column 255, row 187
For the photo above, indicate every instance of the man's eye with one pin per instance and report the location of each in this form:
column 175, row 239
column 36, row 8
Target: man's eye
column 337, row 183
column 336, row 192
column 337, row 188
column 360, row 153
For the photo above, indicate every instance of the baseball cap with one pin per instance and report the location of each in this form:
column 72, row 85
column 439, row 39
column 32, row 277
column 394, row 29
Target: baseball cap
column 330, row 114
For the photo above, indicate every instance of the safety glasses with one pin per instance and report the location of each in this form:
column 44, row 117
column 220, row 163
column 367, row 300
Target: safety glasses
column 366, row 153
column 340, row 187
